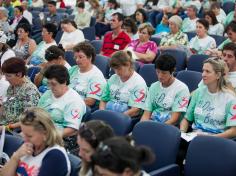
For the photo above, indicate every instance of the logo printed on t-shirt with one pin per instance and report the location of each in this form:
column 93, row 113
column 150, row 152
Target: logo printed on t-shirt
column 183, row 103
column 95, row 89
column 233, row 115
column 140, row 96
column 75, row 113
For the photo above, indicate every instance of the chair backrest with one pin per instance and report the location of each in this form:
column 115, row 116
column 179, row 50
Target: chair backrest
column 92, row 21
column 89, row 33
column 58, row 36
column 180, row 57
column 228, row 7
column 69, row 56
column 208, row 155
column 148, row 72
column 157, row 40
column 120, row 123
column 190, row 78
column 190, row 35
column 97, row 44
column 102, row 62
column 12, row 143
column 75, row 164
column 195, row 62
column 32, row 71
column 219, row 39
column 163, row 139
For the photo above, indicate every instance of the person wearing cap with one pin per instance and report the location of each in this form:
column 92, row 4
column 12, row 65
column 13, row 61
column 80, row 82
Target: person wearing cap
column 6, row 51
column 175, row 38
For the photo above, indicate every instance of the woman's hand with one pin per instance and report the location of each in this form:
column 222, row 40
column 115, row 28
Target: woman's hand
column 24, row 150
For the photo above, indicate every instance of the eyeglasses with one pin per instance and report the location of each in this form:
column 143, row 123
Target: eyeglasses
column 30, row 118
column 9, row 75
column 144, row 33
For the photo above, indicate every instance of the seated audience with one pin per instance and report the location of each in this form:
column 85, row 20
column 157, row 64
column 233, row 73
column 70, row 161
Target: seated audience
column 4, row 21
column 63, row 103
column 176, row 38
column 21, row 94
column 202, row 42
column 211, row 110
column 48, row 34
column 130, row 28
column 215, row 28
column 42, row 150
column 140, row 17
column 4, row 84
column 85, row 78
column 144, row 50
column 126, row 90
column 117, row 39
column 89, row 137
column 6, row 51
column 26, row 13
column 219, row 13
column 229, row 56
column 168, row 98
column 54, row 56
column 82, row 17
column 189, row 23
column 119, row 156
column 162, row 29
column 25, row 46
column 71, row 35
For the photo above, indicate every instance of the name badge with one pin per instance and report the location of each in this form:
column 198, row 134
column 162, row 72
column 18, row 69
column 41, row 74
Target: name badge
column 116, row 47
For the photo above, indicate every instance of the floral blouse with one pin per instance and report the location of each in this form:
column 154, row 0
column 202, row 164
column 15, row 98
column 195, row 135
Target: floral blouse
column 170, row 39
column 18, row 100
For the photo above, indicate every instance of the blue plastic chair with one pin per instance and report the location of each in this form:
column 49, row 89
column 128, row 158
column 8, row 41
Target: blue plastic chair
column 180, row 57
column 120, row 122
column 219, row 39
column 11, row 144
column 32, row 71
column 195, row 62
column 102, row 62
column 228, row 7
column 58, row 36
column 190, row 78
column 157, row 40
column 164, row 141
column 92, row 21
column 97, row 44
column 190, row 35
column 75, row 164
column 208, row 155
column 69, row 56
column 89, row 33
column 148, row 72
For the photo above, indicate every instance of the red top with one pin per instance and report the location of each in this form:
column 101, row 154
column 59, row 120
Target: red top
column 111, row 45
column 62, row 5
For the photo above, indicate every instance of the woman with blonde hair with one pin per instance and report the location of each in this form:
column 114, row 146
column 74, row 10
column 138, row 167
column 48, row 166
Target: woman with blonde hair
column 42, row 150
column 212, row 108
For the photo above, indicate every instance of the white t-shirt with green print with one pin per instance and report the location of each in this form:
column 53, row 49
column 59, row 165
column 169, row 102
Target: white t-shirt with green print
column 162, row 101
column 89, row 84
column 201, row 45
column 65, row 111
column 120, row 96
column 212, row 112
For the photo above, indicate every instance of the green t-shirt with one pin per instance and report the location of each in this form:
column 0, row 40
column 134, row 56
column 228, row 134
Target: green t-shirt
column 122, row 95
column 229, row 18
column 162, row 101
column 212, row 112
column 65, row 111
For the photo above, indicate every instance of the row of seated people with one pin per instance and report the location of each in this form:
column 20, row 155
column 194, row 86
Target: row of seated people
column 166, row 100
column 40, row 148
